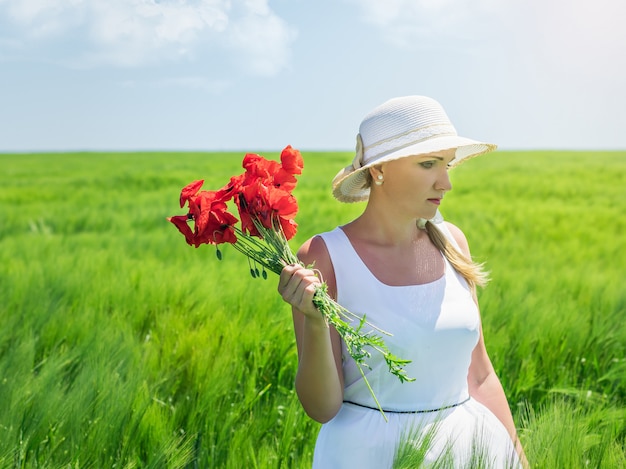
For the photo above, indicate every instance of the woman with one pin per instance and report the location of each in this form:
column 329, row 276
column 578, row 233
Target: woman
column 411, row 274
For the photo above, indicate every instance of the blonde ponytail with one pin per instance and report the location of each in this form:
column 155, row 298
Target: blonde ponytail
column 473, row 273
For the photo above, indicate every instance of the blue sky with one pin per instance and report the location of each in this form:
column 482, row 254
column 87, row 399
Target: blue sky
column 256, row 75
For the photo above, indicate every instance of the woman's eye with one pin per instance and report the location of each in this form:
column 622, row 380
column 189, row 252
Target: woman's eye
column 427, row 164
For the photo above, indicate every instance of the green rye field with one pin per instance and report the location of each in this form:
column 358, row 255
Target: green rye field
column 122, row 347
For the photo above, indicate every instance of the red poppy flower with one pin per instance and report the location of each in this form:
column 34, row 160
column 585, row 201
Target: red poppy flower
column 257, row 166
column 273, row 173
column 273, row 207
column 262, row 194
column 213, row 223
column 282, row 203
column 182, row 223
column 252, row 206
column 291, row 160
column 233, row 188
column 219, row 229
column 190, row 190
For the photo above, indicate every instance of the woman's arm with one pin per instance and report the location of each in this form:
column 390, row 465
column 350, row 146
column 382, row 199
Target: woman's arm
column 485, row 387
column 319, row 380
column 483, row 382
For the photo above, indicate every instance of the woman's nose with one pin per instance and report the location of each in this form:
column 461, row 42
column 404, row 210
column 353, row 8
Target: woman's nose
column 443, row 182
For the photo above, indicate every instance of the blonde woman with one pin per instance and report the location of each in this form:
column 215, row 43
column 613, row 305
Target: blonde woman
column 411, row 274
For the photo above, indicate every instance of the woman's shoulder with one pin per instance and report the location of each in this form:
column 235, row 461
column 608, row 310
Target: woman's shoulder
column 313, row 249
column 314, row 254
column 459, row 237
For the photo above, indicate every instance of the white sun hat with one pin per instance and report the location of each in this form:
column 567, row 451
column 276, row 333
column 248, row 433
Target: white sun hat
column 406, row 126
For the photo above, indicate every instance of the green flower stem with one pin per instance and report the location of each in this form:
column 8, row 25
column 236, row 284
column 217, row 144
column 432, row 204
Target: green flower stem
column 272, row 251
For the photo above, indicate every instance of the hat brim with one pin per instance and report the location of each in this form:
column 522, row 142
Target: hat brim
column 348, row 183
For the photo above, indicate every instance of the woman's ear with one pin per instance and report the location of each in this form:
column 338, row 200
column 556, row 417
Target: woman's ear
column 376, row 174
column 375, row 171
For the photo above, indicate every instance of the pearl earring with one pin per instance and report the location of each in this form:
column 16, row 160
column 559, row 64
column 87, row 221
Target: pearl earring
column 380, row 180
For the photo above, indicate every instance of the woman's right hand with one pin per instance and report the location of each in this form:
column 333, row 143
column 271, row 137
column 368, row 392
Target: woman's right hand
column 319, row 380
column 297, row 286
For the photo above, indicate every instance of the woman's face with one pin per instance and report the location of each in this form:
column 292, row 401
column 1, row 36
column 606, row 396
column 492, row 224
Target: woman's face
column 416, row 184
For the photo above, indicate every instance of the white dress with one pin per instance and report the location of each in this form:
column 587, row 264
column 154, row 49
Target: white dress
column 436, row 325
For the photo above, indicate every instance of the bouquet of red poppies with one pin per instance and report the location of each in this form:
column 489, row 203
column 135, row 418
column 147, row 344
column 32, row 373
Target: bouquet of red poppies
column 267, row 210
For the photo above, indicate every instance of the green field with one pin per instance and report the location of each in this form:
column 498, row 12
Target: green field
column 121, row 346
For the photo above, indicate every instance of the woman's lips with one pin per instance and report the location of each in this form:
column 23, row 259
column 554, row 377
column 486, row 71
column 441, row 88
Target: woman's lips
column 435, row 201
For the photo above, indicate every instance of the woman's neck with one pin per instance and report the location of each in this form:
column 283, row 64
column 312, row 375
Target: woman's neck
column 384, row 229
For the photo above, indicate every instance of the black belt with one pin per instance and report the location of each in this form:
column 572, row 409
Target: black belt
column 408, row 411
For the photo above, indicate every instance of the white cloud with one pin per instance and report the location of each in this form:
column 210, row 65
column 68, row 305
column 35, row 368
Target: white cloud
column 137, row 32
column 406, row 23
column 261, row 39
column 575, row 33
column 44, row 18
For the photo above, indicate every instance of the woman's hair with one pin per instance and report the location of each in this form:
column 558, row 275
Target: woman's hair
column 473, row 273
